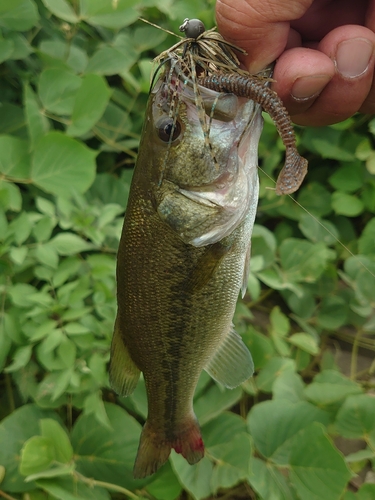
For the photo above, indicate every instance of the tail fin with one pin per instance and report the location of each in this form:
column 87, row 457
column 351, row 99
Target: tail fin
column 154, row 448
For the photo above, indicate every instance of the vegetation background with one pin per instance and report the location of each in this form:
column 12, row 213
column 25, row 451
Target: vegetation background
column 73, row 89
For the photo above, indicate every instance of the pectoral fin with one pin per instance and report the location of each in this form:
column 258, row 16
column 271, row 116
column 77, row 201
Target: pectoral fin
column 207, row 266
column 123, row 373
column 231, row 363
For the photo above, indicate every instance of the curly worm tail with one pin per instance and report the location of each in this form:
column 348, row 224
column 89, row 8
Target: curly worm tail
column 295, row 167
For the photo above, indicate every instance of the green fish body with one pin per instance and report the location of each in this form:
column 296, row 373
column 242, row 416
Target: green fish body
column 182, row 260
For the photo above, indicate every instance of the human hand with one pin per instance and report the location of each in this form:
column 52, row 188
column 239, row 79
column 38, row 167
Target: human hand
column 324, row 52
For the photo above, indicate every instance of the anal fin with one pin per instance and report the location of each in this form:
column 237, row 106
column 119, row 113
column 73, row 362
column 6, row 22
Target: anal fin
column 231, row 363
column 123, row 373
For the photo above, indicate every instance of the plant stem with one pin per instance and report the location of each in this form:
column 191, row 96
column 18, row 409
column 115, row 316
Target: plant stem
column 5, row 495
column 102, row 484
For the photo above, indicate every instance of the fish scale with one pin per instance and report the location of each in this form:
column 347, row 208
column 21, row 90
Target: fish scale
column 181, row 265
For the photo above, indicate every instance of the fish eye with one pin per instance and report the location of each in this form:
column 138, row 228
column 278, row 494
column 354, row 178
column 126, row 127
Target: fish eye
column 168, row 130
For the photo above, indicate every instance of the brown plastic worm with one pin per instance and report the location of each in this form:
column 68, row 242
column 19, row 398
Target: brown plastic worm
column 295, row 167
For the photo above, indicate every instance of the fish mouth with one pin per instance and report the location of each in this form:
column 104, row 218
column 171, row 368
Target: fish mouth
column 221, row 184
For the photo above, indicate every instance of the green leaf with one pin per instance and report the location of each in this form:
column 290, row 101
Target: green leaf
column 55, row 471
column 232, row 461
column 21, row 47
column 348, row 178
column 269, row 482
column 279, row 322
column 20, row 358
column 15, row 429
column 108, row 14
column 222, row 429
column 355, row 419
column 366, row 492
column 37, row 123
column 70, row 54
column 18, row 255
column 214, row 401
column 89, row 105
column 194, row 478
column 272, row 370
column 61, row 9
column 5, row 340
column 316, row 199
column 346, row 204
column 68, row 488
column 62, row 165
column 43, row 229
column 303, row 260
column 94, row 405
column 316, row 229
column 47, row 255
column 165, row 485
column 329, row 143
column 274, row 426
column 19, row 15
column 366, row 242
column 57, row 90
column 69, row 244
column 305, row 342
column 330, row 387
column 52, row 430
column 289, row 386
column 359, row 456
column 260, row 347
column 37, row 455
column 113, row 125
column 6, row 49
column 109, row 60
column 107, row 454
column 13, row 120
column 10, row 196
column 332, row 313
column 14, row 157
column 317, row 470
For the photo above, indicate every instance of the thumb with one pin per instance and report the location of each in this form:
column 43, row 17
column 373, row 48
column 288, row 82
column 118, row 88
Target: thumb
column 261, row 27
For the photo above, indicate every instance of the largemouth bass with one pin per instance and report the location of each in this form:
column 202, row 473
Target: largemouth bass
column 182, row 260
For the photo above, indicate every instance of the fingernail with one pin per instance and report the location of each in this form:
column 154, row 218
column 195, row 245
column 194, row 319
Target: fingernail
column 353, row 57
column 308, row 86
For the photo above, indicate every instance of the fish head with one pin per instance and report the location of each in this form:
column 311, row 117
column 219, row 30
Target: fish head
column 205, row 155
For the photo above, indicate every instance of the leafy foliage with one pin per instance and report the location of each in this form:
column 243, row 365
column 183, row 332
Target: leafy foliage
column 75, row 78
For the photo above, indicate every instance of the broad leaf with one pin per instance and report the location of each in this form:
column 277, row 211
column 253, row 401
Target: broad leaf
column 15, row 430
column 275, row 424
column 317, row 470
column 89, row 105
column 356, row 417
column 107, row 454
column 62, row 165
column 14, row 157
column 19, row 15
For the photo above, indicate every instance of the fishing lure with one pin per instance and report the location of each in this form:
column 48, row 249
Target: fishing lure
column 206, row 59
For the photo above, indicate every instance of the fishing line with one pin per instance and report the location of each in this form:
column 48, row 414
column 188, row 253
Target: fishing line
column 322, row 225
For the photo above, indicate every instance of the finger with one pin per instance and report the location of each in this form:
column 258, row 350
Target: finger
column 352, row 50
column 261, row 27
column 300, row 75
column 368, row 105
